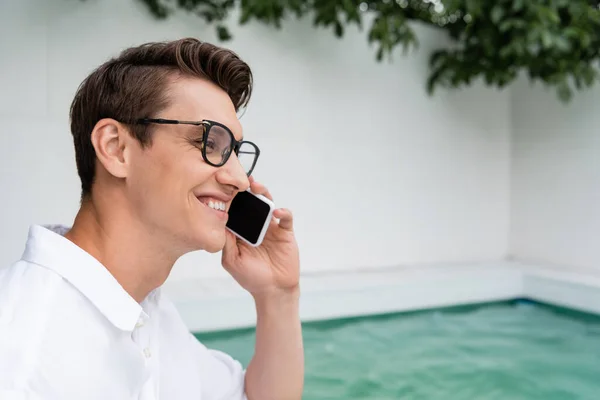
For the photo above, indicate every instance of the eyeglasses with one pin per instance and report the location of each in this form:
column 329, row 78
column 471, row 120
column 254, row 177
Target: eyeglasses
column 217, row 143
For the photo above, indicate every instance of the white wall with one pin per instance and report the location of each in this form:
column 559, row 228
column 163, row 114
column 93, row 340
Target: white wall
column 377, row 173
column 555, row 178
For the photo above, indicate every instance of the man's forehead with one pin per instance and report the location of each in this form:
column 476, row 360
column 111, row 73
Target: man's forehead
column 200, row 99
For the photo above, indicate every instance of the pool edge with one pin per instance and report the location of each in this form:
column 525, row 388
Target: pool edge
column 354, row 294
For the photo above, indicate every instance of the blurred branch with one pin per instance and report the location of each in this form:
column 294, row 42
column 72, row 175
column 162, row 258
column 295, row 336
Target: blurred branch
column 556, row 42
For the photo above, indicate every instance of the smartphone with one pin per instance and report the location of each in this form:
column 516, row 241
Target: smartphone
column 249, row 217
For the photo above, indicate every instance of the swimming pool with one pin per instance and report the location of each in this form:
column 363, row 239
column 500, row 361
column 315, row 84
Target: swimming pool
column 510, row 350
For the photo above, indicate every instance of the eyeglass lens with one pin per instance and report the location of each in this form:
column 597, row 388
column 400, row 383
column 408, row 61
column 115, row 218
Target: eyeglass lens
column 247, row 156
column 218, row 147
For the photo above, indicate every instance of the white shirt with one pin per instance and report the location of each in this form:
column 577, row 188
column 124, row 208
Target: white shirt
column 68, row 330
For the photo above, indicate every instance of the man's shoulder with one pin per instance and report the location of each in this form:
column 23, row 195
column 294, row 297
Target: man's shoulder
column 33, row 301
column 26, row 291
column 44, row 322
column 24, row 283
column 21, row 279
column 35, row 295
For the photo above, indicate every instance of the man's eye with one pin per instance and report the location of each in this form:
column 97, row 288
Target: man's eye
column 210, row 145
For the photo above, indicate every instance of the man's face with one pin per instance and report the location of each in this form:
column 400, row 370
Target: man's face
column 170, row 186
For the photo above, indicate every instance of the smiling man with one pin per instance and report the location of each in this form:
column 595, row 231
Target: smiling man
column 82, row 316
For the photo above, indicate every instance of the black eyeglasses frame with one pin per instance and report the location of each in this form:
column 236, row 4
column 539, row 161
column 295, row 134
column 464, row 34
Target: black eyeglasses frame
column 208, row 124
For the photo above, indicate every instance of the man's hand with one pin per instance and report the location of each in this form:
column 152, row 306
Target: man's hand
column 272, row 267
column 271, row 272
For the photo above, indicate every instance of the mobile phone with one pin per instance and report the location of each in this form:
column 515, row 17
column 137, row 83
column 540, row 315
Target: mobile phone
column 249, row 217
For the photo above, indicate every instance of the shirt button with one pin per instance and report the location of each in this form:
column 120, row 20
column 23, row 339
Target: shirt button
column 147, row 353
column 140, row 323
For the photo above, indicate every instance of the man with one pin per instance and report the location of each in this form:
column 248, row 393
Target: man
column 81, row 314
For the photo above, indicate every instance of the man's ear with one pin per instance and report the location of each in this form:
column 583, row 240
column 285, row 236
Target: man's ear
column 109, row 139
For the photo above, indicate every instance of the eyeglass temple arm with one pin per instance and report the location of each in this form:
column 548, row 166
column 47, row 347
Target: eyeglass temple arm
column 169, row 121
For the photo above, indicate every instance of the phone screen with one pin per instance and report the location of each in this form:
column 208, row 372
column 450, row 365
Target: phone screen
column 247, row 215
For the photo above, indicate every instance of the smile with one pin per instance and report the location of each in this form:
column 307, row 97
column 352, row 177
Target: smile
column 217, row 205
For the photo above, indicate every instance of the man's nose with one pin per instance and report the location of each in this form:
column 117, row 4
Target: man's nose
column 233, row 174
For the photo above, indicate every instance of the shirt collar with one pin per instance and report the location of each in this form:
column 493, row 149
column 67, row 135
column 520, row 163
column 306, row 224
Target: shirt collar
column 46, row 246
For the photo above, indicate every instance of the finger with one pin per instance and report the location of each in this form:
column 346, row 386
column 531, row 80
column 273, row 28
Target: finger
column 286, row 219
column 230, row 251
column 259, row 188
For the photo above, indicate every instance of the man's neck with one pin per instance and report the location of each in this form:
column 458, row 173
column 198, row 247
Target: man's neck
column 127, row 250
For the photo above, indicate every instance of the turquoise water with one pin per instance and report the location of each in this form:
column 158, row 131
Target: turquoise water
column 516, row 350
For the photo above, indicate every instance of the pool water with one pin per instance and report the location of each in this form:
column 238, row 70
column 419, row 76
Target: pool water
column 514, row 350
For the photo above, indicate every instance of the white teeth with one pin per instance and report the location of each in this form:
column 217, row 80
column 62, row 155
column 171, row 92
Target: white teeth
column 216, row 205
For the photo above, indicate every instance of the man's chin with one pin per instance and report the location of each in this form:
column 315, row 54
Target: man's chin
column 214, row 249
column 209, row 240
column 213, row 245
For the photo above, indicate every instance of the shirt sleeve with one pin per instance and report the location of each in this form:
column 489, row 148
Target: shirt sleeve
column 226, row 374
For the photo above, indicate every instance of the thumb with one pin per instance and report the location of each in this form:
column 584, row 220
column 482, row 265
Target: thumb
column 231, row 250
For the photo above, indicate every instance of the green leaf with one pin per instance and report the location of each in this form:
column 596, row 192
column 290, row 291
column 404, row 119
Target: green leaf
column 434, row 79
column 352, row 14
column 157, row 9
column 506, row 52
column 562, row 44
column 223, row 33
column 586, row 40
column 438, row 58
column 572, row 32
column 489, row 77
column 589, row 76
column 546, row 39
column 497, row 13
column 518, row 5
column 550, row 15
column 245, row 16
column 555, row 41
column 339, row 29
column 594, row 16
column 506, row 25
column 473, row 8
column 564, row 91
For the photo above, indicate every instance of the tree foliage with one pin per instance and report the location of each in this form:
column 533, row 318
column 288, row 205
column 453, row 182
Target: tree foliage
column 556, row 42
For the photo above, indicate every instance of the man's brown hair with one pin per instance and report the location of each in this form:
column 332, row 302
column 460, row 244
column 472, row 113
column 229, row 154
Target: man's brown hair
column 134, row 85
